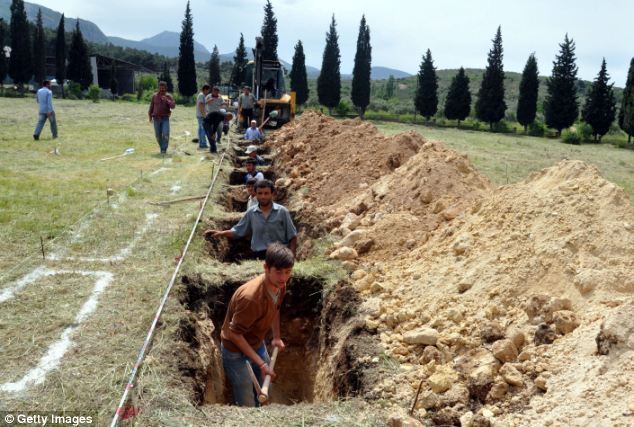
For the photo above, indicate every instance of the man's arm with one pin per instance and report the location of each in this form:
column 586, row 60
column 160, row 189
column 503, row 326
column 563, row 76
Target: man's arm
column 238, row 230
column 201, row 107
column 275, row 328
column 219, row 233
column 151, row 110
column 292, row 245
column 170, row 101
column 49, row 103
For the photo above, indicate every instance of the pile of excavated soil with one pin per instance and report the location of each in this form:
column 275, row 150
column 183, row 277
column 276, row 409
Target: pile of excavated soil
column 513, row 306
column 519, row 310
column 331, row 160
column 394, row 190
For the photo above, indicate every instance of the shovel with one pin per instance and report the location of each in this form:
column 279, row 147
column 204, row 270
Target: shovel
column 263, row 392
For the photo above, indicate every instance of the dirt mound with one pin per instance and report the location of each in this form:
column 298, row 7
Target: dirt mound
column 332, row 159
column 501, row 309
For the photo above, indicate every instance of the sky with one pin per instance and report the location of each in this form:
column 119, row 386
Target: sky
column 458, row 32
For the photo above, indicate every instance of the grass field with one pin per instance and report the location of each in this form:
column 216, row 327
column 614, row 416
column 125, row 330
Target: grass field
column 507, row 159
column 62, row 199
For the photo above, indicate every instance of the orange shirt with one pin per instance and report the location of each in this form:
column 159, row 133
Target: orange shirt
column 251, row 313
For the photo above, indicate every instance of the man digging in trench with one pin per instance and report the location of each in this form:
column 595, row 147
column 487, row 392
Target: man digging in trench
column 267, row 223
column 254, row 309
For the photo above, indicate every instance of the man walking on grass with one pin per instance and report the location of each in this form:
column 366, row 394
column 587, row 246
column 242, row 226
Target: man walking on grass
column 161, row 107
column 200, row 116
column 253, row 311
column 44, row 100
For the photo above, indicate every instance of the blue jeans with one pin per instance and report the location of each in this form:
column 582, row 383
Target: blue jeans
column 162, row 132
column 42, row 120
column 202, row 136
column 235, row 365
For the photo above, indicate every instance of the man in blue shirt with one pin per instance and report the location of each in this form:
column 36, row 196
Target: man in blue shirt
column 253, row 133
column 267, row 223
column 44, row 100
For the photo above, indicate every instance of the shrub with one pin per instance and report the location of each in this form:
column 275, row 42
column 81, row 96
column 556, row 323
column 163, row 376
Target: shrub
column 584, row 130
column 536, row 129
column 148, row 83
column 343, row 108
column 502, row 126
column 570, row 136
column 94, row 92
column 74, row 90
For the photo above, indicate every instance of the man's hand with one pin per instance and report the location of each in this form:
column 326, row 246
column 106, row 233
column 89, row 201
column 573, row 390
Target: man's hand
column 150, row 117
column 214, row 233
column 48, row 115
column 277, row 342
column 266, row 370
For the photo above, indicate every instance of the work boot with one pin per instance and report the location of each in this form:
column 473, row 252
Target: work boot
column 36, row 137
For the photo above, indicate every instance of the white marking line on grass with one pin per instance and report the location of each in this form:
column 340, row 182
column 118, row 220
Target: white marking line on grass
column 158, row 171
column 8, row 293
column 176, row 188
column 123, row 254
column 56, row 351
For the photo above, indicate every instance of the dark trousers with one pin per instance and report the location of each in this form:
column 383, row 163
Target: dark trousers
column 210, row 124
column 247, row 113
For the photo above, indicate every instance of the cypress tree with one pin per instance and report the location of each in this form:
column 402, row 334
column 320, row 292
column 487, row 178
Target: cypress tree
column 186, row 64
column 529, row 86
column 561, row 107
column 269, row 33
column 20, row 65
column 490, row 106
column 60, row 54
column 626, row 115
column 329, row 80
column 299, row 79
column 360, row 93
column 389, row 88
column 3, row 58
column 599, row 110
column 426, row 100
column 39, row 50
column 114, row 83
column 458, row 103
column 166, row 76
column 239, row 64
column 79, row 69
column 214, row 67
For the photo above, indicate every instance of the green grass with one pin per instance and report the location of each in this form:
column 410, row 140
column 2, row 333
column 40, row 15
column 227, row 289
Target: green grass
column 507, row 158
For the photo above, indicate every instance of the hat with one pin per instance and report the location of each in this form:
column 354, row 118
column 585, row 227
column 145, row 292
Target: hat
column 251, row 148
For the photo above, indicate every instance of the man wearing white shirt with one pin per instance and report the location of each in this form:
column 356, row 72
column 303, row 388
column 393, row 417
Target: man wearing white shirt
column 44, row 99
column 253, row 133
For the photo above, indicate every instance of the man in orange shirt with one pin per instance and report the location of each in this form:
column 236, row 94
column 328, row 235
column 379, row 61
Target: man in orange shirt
column 253, row 311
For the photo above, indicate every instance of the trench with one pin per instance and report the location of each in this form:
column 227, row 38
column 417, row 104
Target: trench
column 314, row 367
column 319, row 324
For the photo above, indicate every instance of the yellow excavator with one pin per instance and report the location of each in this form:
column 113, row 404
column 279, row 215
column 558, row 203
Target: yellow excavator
column 275, row 106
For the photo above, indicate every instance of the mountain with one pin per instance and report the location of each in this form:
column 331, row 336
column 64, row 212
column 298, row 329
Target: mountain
column 50, row 19
column 382, row 73
column 165, row 43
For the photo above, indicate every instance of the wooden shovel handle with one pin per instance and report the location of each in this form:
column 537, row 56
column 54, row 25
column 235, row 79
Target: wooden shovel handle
column 264, row 393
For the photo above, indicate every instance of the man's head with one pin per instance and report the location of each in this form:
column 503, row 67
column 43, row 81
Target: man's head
column 251, row 186
column 251, row 151
column 46, row 83
column 250, row 165
column 278, row 265
column 246, row 90
column 205, row 89
column 162, row 87
column 264, row 191
column 215, row 91
column 254, row 124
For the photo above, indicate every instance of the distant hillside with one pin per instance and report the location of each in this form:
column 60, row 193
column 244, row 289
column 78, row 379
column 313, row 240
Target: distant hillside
column 228, row 57
column 165, row 43
column 379, row 73
column 403, row 100
column 50, row 19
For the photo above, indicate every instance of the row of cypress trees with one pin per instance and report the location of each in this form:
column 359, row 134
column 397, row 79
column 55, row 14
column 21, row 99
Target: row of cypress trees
column 561, row 106
column 27, row 58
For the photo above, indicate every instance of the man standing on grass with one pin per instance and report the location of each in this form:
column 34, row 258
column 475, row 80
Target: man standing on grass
column 214, row 104
column 267, row 223
column 44, row 100
column 246, row 103
column 161, row 107
column 253, row 311
column 200, row 116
